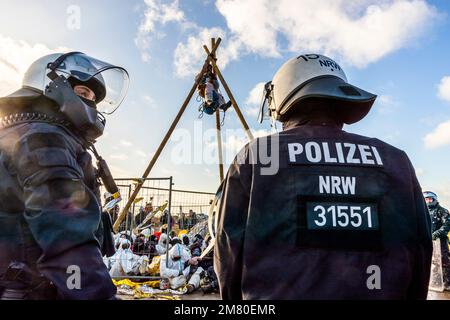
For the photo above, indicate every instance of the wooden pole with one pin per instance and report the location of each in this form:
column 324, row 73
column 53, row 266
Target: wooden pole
column 230, row 95
column 163, row 142
column 219, row 144
column 219, row 133
column 169, row 222
column 213, row 43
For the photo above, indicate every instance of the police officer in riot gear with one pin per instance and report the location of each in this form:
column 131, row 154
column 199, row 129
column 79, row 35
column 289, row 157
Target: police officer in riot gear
column 50, row 210
column 440, row 227
column 342, row 214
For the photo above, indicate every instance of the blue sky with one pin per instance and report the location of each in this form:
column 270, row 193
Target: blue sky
column 399, row 50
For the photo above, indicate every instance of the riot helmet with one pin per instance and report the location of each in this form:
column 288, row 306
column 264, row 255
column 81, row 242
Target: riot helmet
column 431, row 198
column 314, row 76
column 56, row 75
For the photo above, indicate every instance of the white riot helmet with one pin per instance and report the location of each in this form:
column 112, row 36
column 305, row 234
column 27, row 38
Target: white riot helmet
column 55, row 75
column 314, row 76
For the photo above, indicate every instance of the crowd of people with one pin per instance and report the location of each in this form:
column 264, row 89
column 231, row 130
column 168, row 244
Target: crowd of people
column 175, row 258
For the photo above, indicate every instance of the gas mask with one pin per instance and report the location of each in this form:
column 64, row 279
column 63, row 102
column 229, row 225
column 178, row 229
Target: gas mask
column 82, row 113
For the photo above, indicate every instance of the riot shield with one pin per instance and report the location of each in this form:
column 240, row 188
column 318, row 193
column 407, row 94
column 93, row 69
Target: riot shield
column 436, row 275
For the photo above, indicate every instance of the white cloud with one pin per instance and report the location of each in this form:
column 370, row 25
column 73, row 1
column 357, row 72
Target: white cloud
column 149, row 101
column 439, row 137
column 253, row 100
column 189, row 56
column 119, row 172
column 358, row 33
column 444, row 89
column 386, row 104
column 252, row 21
column 156, row 13
column 120, row 156
column 140, row 153
column 15, row 58
column 126, row 143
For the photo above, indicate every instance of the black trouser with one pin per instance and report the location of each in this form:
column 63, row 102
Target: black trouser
column 445, row 262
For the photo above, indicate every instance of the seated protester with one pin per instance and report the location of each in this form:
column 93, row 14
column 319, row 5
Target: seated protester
column 173, row 241
column 161, row 247
column 208, row 90
column 123, row 235
column 197, row 246
column 152, row 246
column 172, row 235
column 185, row 241
column 209, row 282
column 177, row 269
column 141, row 246
column 154, row 239
column 124, row 262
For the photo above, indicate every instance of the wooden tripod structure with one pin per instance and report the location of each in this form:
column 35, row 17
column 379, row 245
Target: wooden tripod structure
column 210, row 60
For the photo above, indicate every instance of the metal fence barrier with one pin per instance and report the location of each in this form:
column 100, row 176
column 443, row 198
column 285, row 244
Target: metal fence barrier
column 185, row 208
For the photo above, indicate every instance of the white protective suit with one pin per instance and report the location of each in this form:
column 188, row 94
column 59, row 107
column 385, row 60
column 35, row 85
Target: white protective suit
column 161, row 246
column 176, row 266
column 124, row 261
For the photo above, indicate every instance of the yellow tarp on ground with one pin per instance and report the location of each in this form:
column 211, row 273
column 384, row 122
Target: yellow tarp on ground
column 134, row 285
column 139, row 288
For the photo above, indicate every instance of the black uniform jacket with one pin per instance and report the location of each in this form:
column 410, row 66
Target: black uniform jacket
column 49, row 211
column 315, row 212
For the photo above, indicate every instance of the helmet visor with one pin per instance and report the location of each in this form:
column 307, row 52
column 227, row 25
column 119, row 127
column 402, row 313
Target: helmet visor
column 109, row 82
